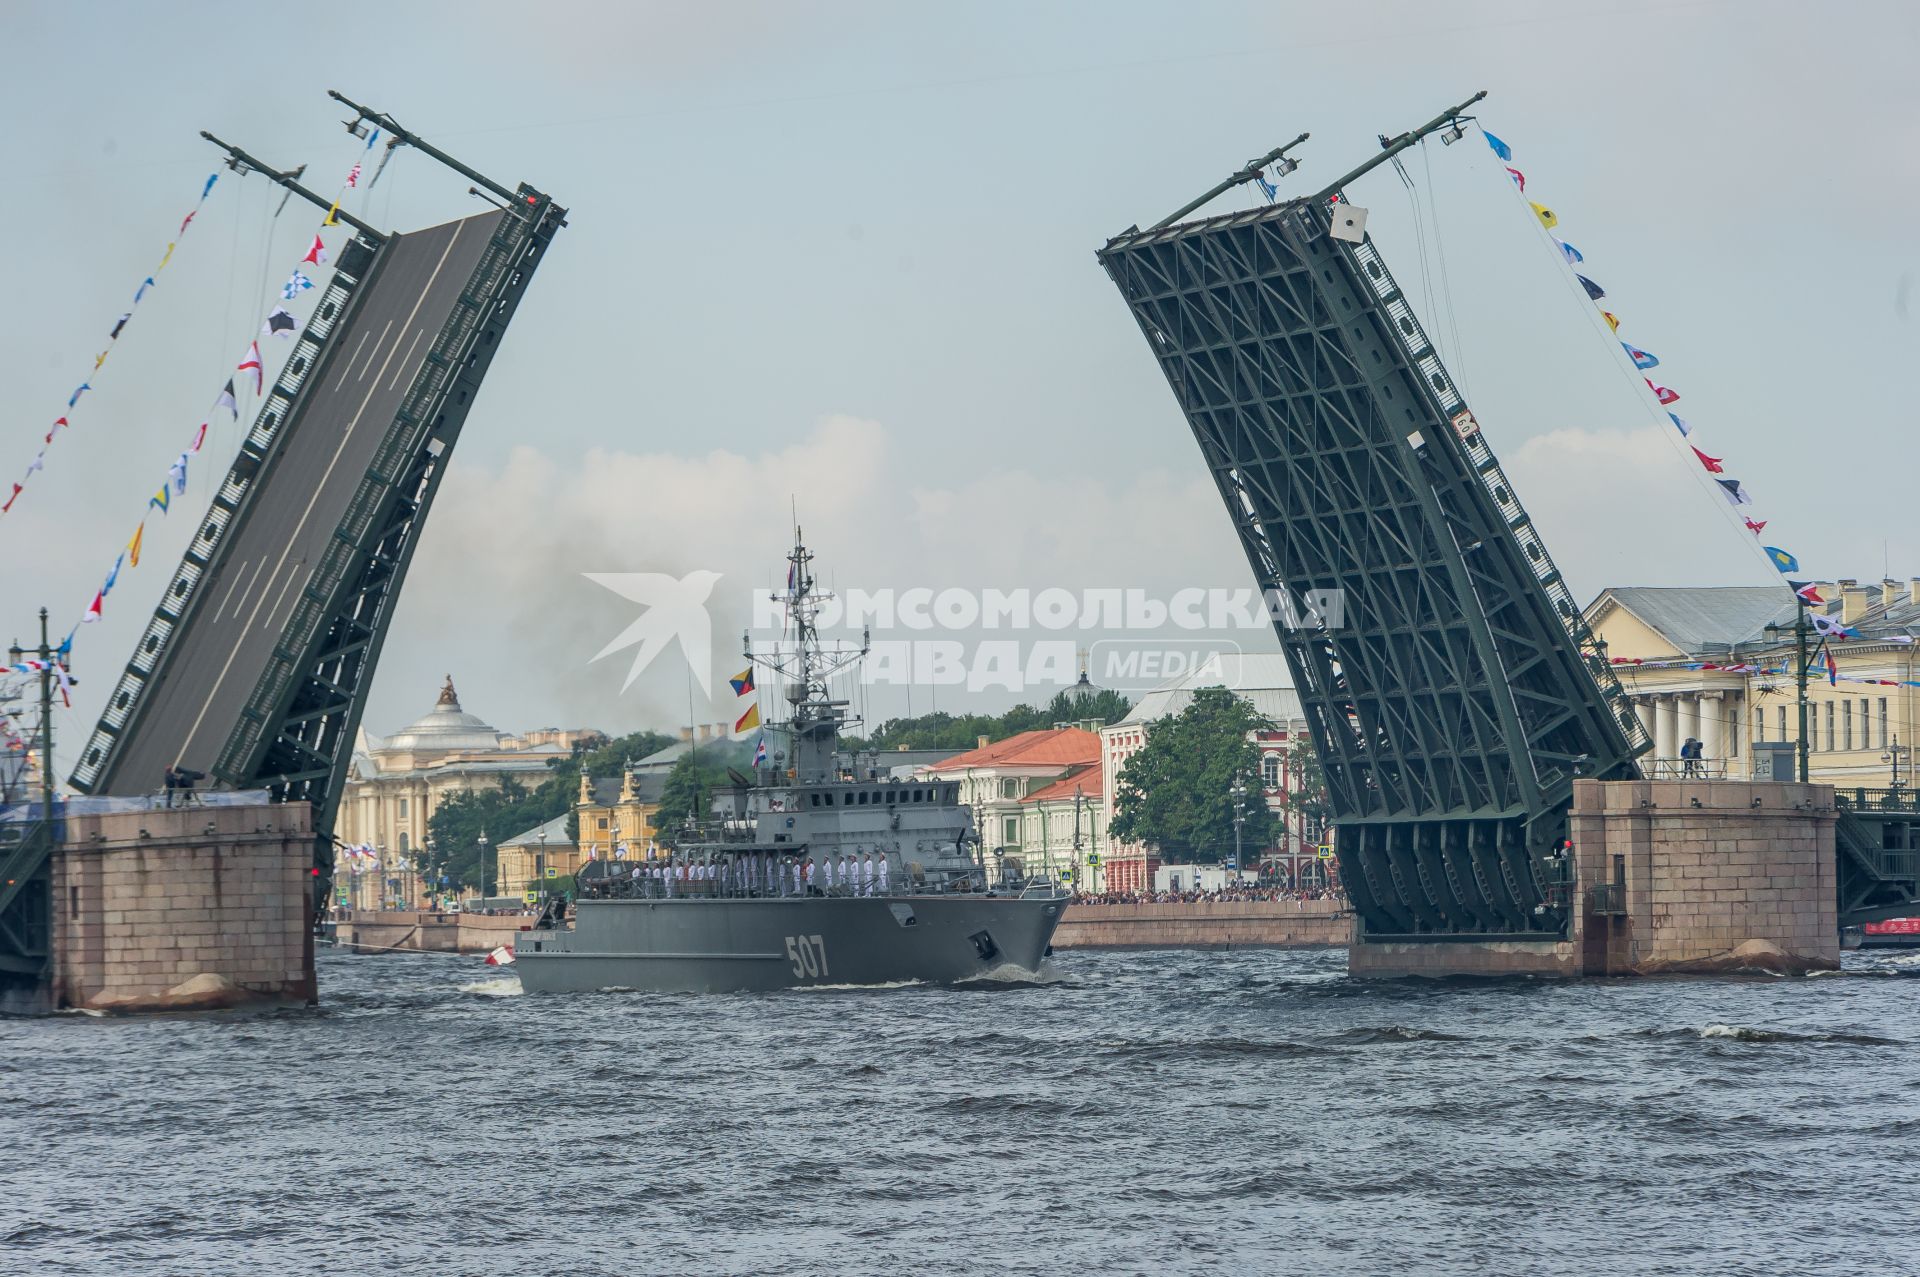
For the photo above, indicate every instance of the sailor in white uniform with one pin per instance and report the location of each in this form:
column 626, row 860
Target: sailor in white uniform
column 881, row 869
column 866, row 873
column 798, row 888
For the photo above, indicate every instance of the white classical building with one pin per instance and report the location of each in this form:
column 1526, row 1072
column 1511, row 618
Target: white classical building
column 1703, row 626
column 395, row 784
column 1264, row 682
column 1702, row 663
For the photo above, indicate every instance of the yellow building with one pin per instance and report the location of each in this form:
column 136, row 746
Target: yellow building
column 617, row 814
column 1717, row 664
column 526, row 858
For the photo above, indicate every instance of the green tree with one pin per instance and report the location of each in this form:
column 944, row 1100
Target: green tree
column 1174, row 794
column 689, row 788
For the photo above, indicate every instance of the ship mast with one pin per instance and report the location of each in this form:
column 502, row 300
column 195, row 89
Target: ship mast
column 805, row 664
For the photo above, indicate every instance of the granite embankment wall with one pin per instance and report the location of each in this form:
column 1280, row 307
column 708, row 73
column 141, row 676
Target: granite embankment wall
column 1204, row 924
column 423, row 931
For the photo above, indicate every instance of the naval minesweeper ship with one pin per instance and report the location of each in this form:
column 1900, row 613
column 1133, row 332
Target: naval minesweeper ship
column 735, row 906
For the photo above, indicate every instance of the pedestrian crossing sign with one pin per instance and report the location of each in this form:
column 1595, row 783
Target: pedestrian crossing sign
column 552, row 871
column 1324, row 851
column 533, row 897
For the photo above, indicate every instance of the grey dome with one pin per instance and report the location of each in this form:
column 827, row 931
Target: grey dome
column 445, row 729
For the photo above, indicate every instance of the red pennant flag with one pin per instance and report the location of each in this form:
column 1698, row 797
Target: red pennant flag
column 199, row 438
column 183, row 222
column 1661, row 393
column 1755, row 528
column 1519, row 179
column 317, row 255
column 93, row 611
column 1711, row 463
column 8, row 507
column 251, row 362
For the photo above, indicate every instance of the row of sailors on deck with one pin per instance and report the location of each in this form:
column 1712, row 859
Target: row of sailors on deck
column 763, row 873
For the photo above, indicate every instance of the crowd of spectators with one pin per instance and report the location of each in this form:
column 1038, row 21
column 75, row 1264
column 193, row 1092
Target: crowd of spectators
column 1222, row 895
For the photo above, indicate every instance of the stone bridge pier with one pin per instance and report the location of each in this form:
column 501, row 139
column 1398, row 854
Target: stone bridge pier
column 1671, row 877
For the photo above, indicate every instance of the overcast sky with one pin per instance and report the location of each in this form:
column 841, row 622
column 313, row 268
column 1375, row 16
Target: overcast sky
column 842, row 254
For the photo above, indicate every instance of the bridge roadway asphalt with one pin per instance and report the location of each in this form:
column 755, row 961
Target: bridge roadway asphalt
column 215, row 661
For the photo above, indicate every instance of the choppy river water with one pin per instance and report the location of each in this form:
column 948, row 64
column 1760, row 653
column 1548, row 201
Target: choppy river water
column 1163, row 1112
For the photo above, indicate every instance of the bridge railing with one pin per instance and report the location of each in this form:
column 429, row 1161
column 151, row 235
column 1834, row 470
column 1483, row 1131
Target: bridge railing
column 1900, row 798
column 1683, row 768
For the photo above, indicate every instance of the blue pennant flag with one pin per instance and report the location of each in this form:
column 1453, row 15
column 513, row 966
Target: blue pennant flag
column 1574, row 256
column 1781, row 559
column 211, row 179
column 1680, row 424
column 1500, row 148
column 1272, row 191
column 1593, row 290
column 1643, row 360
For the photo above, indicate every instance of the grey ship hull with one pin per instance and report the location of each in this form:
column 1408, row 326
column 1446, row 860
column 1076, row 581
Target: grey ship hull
column 723, row 945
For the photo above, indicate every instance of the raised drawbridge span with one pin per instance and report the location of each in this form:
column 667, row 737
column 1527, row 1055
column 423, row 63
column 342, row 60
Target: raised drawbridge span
column 254, row 668
column 1459, row 695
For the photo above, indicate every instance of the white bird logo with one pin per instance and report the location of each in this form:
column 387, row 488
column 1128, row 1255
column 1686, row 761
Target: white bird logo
column 676, row 609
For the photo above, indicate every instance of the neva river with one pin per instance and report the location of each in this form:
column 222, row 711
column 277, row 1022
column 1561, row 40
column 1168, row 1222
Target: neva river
column 1141, row 1113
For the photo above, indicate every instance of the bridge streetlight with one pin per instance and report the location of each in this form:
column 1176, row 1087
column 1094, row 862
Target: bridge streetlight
column 1239, row 794
column 1896, row 752
column 483, row 868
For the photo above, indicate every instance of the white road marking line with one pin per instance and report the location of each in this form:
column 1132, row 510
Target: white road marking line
column 321, row 486
column 249, row 590
column 374, row 351
column 346, row 365
column 291, row 578
column 401, row 371
column 231, row 587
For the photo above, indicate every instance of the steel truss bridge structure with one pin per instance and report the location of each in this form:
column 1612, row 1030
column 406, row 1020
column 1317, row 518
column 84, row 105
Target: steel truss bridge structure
column 255, row 667
column 1461, row 693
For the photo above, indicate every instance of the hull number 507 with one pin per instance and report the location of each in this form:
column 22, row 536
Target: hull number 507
column 808, row 954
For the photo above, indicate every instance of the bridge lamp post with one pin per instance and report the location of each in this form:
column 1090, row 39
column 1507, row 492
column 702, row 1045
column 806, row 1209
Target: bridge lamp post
column 1239, row 794
column 1896, row 752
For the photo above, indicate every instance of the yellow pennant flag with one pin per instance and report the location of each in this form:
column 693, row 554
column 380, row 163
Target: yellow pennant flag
column 1545, row 214
column 99, row 359
column 133, row 546
column 1613, row 320
column 748, row 721
column 164, row 259
column 331, row 219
